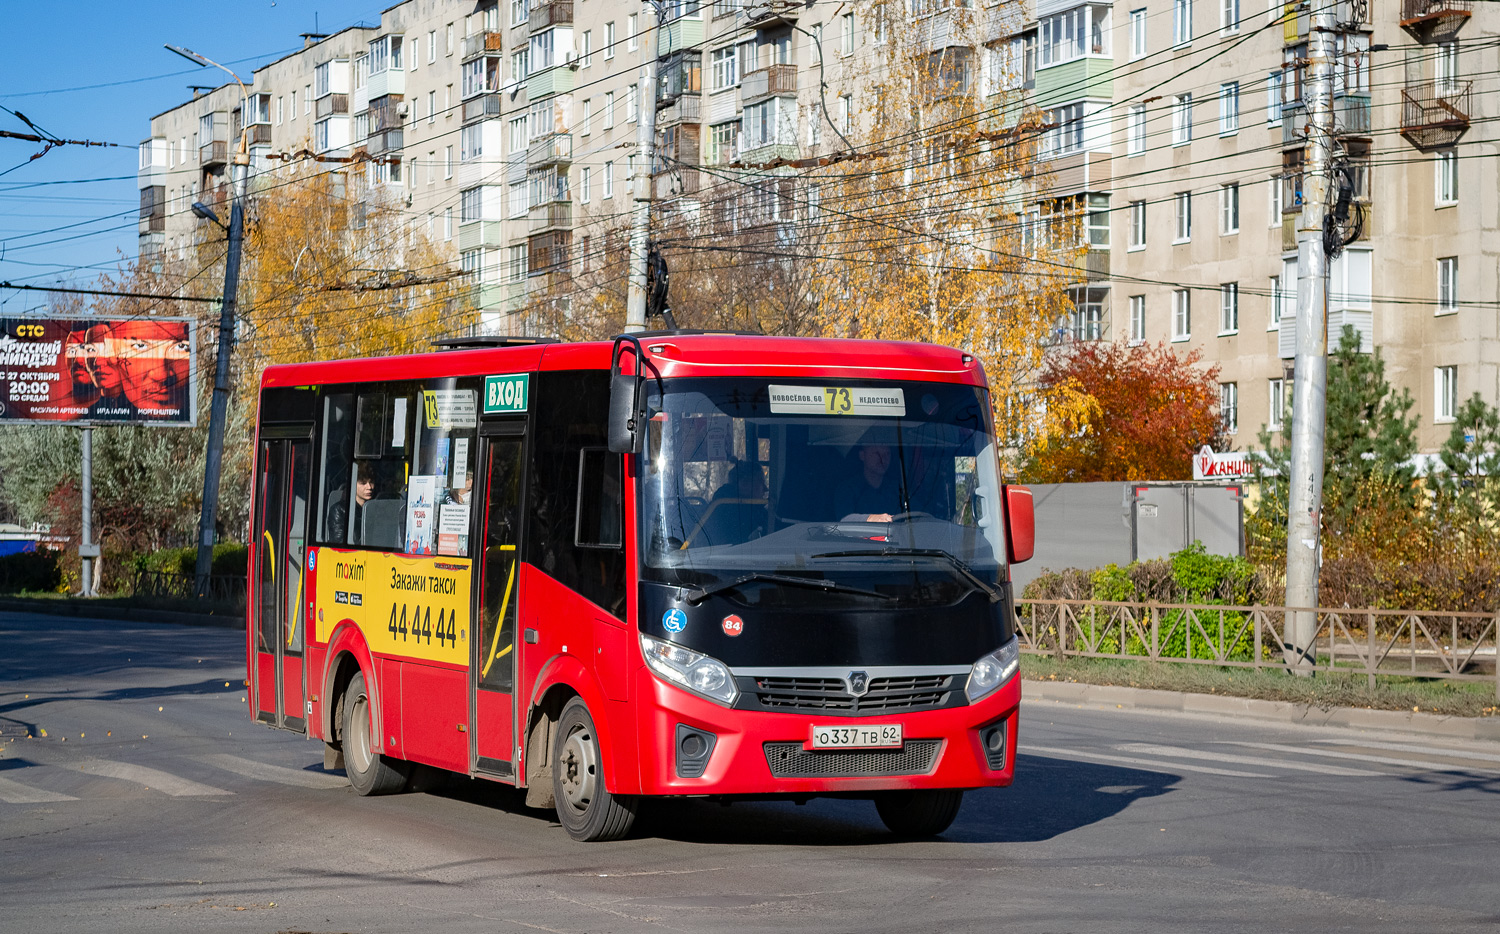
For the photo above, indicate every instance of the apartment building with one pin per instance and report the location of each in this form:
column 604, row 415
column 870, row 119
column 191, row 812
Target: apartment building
column 1173, row 128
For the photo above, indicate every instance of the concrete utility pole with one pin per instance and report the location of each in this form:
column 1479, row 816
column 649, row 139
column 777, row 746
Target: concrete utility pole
column 1310, row 379
column 219, row 412
column 87, row 550
column 640, row 184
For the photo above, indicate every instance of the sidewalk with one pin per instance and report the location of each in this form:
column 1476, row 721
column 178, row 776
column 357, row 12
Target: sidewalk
column 1098, row 695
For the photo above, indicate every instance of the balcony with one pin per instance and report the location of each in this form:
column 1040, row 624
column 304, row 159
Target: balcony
column 155, row 223
column 774, row 81
column 686, row 109
column 260, row 133
column 553, row 215
column 384, row 141
column 1435, row 20
column 331, row 104
column 1435, row 114
column 761, row 14
column 555, row 13
column 488, row 104
column 676, row 183
column 215, row 152
column 552, row 149
column 481, row 43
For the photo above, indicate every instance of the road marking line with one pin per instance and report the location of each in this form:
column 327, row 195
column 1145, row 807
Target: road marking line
column 274, row 773
column 1151, row 749
column 1150, row 765
column 1409, row 747
column 154, row 779
column 1384, row 760
column 17, row 793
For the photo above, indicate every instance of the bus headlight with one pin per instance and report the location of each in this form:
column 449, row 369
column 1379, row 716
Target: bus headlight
column 691, row 670
column 993, row 670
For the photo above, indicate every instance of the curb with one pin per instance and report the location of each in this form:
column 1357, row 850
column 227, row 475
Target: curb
column 1486, row 728
column 127, row 614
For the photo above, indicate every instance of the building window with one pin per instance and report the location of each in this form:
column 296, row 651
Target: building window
column 1273, row 198
column 631, row 41
column 1445, row 174
column 1445, row 387
column 1229, row 208
column 1137, row 319
column 1182, row 314
column 609, row 41
column 724, row 64
column 431, row 46
column 471, row 142
column 1182, row 22
column 1088, row 315
column 1229, row 308
column 1278, row 304
column 586, row 49
column 846, row 34
column 1229, row 406
column 520, row 134
column 1183, row 201
column 447, row 162
column 431, row 166
column 1447, row 285
column 469, row 201
column 517, row 199
column 1065, row 130
column 846, row 113
column 1277, row 404
column 586, row 117
column 1273, row 97
column 1229, row 108
column 1097, row 222
column 1137, row 33
column 447, row 223
column 1135, row 130
column 609, row 180
column 585, row 185
column 1229, row 17
column 519, row 12
column 632, row 103
column 448, row 38
column 609, row 109
column 518, row 263
column 1445, row 67
column 1182, row 119
column 1137, row 225
column 1072, row 34
column 721, row 142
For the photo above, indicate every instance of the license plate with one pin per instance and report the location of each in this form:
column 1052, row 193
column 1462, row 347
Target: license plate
column 830, row 736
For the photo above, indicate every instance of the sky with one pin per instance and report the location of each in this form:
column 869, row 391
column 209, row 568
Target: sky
column 98, row 71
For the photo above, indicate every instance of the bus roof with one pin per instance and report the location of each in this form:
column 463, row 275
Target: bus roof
column 672, row 354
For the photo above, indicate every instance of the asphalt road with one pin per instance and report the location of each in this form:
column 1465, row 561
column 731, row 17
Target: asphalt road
column 153, row 803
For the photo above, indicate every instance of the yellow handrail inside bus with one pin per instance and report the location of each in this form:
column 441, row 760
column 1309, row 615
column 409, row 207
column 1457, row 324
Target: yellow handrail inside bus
column 732, row 500
column 500, row 620
column 271, row 544
column 296, row 609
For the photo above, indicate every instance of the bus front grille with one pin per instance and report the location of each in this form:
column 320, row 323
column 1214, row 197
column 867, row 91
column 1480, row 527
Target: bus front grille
column 790, row 760
column 831, row 695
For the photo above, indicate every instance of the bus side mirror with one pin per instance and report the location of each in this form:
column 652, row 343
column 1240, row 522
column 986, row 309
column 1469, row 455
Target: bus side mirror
column 1020, row 524
column 624, row 414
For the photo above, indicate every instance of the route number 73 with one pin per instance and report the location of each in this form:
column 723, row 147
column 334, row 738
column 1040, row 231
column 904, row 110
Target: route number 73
column 838, row 401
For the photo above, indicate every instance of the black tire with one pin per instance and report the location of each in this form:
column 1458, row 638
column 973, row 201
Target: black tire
column 369, row 772
column 924, row 813
column 585, row 808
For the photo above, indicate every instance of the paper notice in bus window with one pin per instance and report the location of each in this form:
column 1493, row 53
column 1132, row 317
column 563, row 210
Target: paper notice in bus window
column 838, row 400
column 460, row 462
column 421, row 513
column 453, row 530
column 398, row 423
column 450, row 408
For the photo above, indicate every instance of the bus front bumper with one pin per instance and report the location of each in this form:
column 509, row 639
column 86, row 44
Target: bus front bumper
column 759, row 753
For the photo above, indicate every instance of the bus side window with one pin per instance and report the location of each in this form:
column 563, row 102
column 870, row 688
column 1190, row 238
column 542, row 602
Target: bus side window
column 600, row 494
column 336, row 459
column 370, row 436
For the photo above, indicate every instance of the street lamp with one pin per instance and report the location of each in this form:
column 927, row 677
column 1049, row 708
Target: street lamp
column 219, row 413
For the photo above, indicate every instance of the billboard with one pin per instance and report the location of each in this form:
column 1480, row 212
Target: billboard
column 98, row 371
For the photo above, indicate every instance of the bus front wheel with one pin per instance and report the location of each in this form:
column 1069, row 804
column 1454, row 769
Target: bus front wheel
column 585, row 808
column 924, row 813
column 369, row 772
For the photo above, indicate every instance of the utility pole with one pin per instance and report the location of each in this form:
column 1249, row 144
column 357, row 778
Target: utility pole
column 640, row 184
column 219, row 411
column 87, row 550
column 1310, row 378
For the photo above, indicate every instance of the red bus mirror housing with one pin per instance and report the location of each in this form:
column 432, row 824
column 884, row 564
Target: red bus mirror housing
column 1020, row 524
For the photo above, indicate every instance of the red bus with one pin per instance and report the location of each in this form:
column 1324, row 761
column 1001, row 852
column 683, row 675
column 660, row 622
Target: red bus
column 678, row 564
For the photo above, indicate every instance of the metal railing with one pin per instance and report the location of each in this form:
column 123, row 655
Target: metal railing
column 771, row 80
column 222, row 588
column 1436, row 113
column 1416, row 10
column 481, row 43
column 1452, row 646
column 554, row 13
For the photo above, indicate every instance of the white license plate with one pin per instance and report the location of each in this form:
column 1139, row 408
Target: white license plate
column 831, row 736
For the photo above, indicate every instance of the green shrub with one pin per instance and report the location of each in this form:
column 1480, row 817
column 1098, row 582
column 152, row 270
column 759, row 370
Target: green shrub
column 37, row 571
column 230, row 558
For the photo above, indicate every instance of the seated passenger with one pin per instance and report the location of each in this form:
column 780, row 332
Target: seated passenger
column 340, row 528
column 737, row 511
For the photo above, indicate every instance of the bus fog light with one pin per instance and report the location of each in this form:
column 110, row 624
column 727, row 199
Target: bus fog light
column 691, row 670
column 993, row 670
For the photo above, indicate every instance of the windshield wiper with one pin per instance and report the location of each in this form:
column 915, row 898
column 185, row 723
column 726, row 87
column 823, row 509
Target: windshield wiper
column 964, row 571
column 699, row 594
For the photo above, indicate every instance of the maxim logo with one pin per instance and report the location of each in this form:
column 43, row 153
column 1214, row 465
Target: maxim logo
column 859, row 683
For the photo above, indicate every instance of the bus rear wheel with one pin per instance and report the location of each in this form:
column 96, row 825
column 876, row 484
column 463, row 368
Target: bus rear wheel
column 369, row 772
column 923, row 813
column 585, row 808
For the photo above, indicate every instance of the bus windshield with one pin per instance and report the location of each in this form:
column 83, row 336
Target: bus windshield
column 864, row 490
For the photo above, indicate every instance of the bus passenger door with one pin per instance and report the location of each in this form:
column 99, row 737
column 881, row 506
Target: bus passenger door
column 498, row 566
column 280, row 530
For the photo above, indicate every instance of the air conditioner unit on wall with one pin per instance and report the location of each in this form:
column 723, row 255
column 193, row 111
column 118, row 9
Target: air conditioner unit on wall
column 403, row 108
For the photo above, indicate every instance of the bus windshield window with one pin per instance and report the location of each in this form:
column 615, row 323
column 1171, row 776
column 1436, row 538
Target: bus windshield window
column 753, row 476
